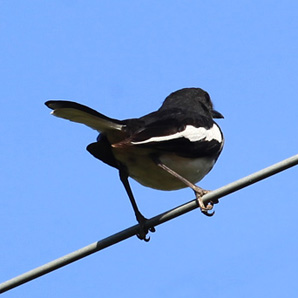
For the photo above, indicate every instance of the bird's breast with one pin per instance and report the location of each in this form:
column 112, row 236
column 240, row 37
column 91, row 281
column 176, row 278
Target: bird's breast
column 142, row 168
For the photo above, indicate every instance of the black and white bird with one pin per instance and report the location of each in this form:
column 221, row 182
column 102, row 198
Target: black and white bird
column 171, row 148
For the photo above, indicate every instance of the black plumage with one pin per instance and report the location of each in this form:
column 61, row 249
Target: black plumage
column 171, row 148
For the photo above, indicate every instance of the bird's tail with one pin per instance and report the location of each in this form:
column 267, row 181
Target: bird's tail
column 82, row 114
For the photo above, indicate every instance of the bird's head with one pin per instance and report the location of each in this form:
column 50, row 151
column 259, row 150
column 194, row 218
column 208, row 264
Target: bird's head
column 192, row 99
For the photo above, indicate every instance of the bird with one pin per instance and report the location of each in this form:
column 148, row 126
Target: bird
column 171, row 148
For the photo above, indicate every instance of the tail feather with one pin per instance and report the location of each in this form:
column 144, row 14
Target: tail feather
column 82, row 114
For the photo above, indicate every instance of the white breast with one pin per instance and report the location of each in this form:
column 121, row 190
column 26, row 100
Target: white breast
column 145, row 171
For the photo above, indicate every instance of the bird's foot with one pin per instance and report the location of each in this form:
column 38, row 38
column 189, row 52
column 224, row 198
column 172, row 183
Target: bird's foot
column 143, row 230
column 204, row 208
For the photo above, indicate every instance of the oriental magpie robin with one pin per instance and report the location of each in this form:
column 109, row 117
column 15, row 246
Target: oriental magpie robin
column 171, row 148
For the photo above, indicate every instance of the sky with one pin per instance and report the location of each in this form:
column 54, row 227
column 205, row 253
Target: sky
column 123, row 58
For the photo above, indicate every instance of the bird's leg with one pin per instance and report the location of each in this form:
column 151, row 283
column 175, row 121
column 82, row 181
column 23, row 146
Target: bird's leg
column 199, row 192
column 139, row 216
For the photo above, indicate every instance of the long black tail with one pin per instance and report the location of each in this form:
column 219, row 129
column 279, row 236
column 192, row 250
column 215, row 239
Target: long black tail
column 82, row 114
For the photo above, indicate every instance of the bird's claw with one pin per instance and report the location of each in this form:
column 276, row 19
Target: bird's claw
column 204, row 208
column 142, row 235
column 143, row 231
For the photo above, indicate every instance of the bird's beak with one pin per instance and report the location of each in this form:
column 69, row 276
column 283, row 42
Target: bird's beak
column 216, row 114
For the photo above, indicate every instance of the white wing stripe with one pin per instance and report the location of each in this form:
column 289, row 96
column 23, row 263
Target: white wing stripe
column 194, row 134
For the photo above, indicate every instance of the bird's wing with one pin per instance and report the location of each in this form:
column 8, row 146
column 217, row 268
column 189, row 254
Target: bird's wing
column 83, row 114
column 190, row 136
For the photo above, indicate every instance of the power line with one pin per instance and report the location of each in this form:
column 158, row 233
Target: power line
column 154, row 221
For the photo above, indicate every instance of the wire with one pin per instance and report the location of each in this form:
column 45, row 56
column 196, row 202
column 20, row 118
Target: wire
column 154, row 221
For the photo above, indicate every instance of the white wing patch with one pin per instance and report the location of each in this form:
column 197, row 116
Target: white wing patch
column 194, row 134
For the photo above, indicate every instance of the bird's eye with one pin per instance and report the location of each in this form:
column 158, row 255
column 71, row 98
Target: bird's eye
column 208, row 99
column 204, row 107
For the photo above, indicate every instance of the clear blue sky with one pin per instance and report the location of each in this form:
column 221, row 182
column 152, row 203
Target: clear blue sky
column 123, row 58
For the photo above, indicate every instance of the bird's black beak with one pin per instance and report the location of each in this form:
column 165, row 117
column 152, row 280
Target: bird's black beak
column 216, row 114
